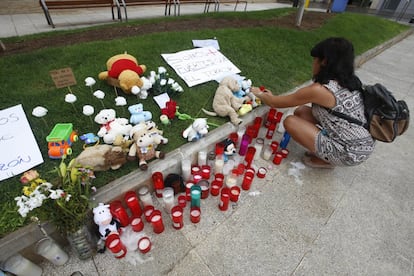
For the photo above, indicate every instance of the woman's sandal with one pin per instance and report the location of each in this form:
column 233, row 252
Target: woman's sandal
column 307, row 160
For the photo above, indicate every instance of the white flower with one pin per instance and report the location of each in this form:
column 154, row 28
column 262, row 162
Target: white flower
column 135, row 90
column 68, row 196
column 146, row 83
column 161, row 70
column 152, row 79
column 153, row 74
column 163, row 82
column 175, row 86
column 88, row 110
column 99, row 94
column 56, row 194
column 70, row 98
column 120, row 101
column 89, row 81
column 39, row 111
column 171, row 81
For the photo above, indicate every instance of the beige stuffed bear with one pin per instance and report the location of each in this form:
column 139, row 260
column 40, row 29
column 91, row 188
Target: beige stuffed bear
column 146, row 139
column 225, row 103
column 101, row 157
column 124, row 72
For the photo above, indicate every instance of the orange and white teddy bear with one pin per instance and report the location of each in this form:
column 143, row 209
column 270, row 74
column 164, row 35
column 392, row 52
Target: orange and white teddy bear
column 124, row 71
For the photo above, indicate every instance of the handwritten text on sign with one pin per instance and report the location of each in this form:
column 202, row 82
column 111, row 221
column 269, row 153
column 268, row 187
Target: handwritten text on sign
column 200, row 65
column 18, row 147
column 63, row 77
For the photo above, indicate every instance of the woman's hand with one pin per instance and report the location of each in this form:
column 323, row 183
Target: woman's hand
column 258, row 92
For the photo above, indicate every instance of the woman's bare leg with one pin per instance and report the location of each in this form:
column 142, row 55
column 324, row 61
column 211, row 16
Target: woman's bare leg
column 302, row 128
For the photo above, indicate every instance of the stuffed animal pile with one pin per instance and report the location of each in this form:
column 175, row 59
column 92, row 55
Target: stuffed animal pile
column 111, row 126
column 225, row 103
column 146, row 137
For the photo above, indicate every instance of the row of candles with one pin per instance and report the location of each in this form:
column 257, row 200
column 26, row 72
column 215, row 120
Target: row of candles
column 224, row 184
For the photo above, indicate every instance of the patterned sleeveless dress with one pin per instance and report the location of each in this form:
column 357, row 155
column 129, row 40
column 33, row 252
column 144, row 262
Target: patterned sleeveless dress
column 340, row 142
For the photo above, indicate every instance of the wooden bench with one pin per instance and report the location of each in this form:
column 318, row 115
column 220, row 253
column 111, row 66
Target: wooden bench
column 168, row 3
column 78, row 4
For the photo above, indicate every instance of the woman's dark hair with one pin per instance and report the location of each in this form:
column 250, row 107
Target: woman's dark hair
column 337, row 57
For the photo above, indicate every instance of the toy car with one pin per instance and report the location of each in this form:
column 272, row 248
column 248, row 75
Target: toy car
column 60, row 140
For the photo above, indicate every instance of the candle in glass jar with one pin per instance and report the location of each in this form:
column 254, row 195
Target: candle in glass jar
column 119, row 212
column 186, row 169
column 132, row 202
column 202, row 158
column 168, row 198
column 158, row 180
column 156, row 221
column 145, row 196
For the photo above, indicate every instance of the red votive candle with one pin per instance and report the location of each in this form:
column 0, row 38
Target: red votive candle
column 215, row 188
column 188, row 186
column 247, row 180
column 148, row 212
column 234, row 193
column 270, row 117
column 156, row 221
column 195, row 170
column 195, row 214
column 274, row 145
column 119, row 212
column 137, row 224
column 257, row 122
column 284, row 152
column 182, row 201
column 279, row 116
column 144, row 245
column 249, row 156
column 270, row 131
column 205, row 171
column 261, row 172
column 132, row 202
column 219, row 177
column 177, row 217
column 278, row 158
column 205, row 188
column 158, row 181
column 114, row 244
column 251, row 131
column 197, row 178
column 234, row 137
column 224, row 199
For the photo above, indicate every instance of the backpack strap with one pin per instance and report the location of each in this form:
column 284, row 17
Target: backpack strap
column 347, row 117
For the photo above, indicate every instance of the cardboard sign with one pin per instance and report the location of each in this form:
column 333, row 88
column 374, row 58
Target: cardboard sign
column 200, row 65
column 18, row 146
column 63, row 77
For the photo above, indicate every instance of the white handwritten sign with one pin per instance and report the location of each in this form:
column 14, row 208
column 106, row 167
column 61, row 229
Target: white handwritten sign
column 18, row 146
column 200, row 65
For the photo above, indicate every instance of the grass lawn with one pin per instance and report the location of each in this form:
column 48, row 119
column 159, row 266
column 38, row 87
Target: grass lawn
column 275, row 57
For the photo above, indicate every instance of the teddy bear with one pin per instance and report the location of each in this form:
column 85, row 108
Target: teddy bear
column 145, row 143
column 101, row 157
column 225, row 103
column 138, row 114
column 111, row 127
column 123, row 71
column 197, row 130
column 103, row 219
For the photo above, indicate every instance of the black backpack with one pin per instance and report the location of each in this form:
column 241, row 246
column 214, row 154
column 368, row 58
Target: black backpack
column 387, row 117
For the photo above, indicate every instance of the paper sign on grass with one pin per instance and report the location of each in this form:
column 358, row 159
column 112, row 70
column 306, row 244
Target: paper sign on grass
column 200, row 65
column 18, row 146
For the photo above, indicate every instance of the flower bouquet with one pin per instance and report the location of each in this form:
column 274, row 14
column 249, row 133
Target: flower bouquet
column 64, row 200
column 162, row 83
